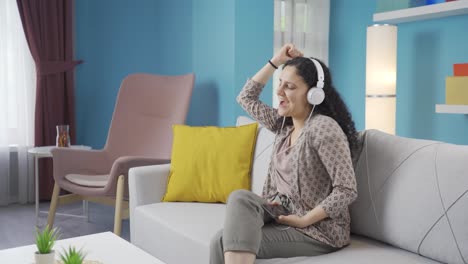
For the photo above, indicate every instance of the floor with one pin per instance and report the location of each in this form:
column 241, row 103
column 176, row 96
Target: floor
column 17, row 222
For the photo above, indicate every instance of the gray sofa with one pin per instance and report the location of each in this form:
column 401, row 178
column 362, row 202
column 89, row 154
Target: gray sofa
column 412, row 206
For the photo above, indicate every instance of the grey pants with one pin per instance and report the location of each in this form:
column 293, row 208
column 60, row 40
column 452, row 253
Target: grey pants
column 247, row 228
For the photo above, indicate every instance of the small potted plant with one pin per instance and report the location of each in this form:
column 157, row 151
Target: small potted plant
column 45, row 241
column 72, row 256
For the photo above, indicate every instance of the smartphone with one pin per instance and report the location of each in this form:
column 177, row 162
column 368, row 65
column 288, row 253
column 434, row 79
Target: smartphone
column 275, row 210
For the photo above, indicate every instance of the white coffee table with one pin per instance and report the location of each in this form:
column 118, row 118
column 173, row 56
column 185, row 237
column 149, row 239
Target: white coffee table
column 106, row 248
column 44, row 152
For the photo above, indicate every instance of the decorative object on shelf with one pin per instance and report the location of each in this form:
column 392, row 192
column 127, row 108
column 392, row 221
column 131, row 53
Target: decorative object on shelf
column 63, row 137
column 392, row 5
column 456, row 90
column 45, row 241
column 456, row 86
column 431, row 2
column 381, row 77
column 460, row 69
column 73, row 256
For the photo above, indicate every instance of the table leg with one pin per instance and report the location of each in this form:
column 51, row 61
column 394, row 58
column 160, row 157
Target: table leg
column 36, row 184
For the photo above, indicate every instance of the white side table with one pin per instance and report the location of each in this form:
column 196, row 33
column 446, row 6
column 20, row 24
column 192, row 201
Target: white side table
column 44, row 152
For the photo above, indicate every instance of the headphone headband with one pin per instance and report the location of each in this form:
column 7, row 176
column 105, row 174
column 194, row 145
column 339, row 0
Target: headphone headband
column 320, row 74
column 316, row 95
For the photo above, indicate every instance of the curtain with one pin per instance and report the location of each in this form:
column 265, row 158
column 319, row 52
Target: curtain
column 48, row 28
column 17, row 93
column 305, row 23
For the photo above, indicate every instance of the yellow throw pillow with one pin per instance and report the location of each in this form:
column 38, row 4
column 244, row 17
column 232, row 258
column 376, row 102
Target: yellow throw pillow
column 208, row 163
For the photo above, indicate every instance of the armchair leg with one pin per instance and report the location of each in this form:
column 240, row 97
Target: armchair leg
column 53, row 205
column 118, row 205
column 86, row 210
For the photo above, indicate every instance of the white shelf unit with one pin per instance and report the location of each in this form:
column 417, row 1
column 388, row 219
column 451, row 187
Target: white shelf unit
column 451, row 109
column 453, row 8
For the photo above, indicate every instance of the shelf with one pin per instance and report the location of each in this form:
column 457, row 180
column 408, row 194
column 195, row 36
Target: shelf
column 452, row 109
column 453, row 8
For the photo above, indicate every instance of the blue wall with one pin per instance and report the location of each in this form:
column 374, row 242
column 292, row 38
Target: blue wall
column 426, row 51
column 231, row 41
column 117, row 38
column 347, row 52
column 220, row 41
column 213, row 62
column 225, row 42
column 254, row 44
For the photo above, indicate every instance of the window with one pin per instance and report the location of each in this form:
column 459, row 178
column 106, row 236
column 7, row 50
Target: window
column 17, row 97
column 304, row 23
column 17, row 80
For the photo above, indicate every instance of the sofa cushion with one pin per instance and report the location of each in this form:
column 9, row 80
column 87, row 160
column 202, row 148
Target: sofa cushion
column 194, row 224
column 360, row 251
column 177, row 232
column 88, row 180
column 412, row 194
column 208, row 163
column 181, row 233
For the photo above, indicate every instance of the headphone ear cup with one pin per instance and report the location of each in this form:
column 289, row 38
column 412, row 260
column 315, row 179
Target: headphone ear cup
column 315, row 96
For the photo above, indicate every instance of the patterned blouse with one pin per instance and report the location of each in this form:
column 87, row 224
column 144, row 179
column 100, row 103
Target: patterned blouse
column 322, row 165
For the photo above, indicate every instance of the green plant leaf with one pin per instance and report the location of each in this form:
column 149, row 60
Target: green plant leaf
column 72, row 256
column 45, row 239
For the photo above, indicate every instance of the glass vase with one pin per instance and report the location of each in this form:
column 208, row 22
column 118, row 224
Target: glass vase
column 63, row 137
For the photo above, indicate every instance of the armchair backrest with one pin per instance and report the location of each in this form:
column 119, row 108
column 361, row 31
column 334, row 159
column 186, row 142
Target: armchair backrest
column 146, row 108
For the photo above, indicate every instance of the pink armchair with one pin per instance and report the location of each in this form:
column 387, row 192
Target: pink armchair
column 140, row 134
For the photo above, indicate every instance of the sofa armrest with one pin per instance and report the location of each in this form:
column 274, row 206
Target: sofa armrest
column 146, row 185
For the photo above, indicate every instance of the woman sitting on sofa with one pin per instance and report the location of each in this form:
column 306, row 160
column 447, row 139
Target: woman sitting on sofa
column 311, row 176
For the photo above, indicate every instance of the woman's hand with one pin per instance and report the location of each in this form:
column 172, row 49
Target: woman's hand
column 274, row 203
column 292, row 220
column 287, row 52
column 314, row 216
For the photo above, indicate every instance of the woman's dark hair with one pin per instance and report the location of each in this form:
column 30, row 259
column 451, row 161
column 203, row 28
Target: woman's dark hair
column 333, row 106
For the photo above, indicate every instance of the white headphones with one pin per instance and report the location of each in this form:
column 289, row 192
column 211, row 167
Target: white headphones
column 316, row 95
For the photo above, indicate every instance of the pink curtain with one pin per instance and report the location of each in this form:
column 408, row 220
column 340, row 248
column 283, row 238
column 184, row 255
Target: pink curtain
column 48, row 26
